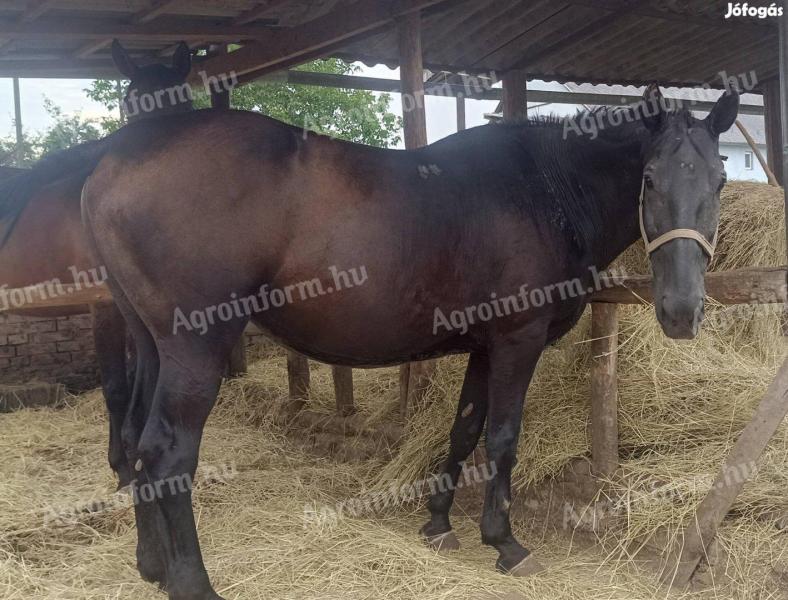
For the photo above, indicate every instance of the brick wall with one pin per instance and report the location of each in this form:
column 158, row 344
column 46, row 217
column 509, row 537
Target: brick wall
column 53, row 350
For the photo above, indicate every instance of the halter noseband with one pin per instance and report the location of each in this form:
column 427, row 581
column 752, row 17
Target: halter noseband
column 673, row 234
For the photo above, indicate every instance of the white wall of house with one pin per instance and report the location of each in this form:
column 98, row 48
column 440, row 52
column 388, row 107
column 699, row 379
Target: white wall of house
column 742, row 163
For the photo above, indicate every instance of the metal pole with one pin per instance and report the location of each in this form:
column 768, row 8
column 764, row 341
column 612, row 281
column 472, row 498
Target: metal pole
column 784, row 100
column 20, row 152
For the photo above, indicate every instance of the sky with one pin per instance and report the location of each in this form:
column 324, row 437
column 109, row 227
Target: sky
column 70, row 96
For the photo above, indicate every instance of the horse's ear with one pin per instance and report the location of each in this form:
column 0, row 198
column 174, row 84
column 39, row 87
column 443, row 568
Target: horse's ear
column 123, row 61
column 182, row 60
column 653, row 107
column 724, row 112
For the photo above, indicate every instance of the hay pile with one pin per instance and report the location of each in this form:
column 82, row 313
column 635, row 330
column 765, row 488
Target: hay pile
column 681, row 407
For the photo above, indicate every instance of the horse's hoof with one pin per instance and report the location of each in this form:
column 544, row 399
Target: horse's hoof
column 525, row 568
column 441, row 542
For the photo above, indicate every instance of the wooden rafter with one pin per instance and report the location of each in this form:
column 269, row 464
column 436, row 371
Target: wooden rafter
column 161, row 30
column 284, row 48
column 258, row 12
column 31, row 13
column 158, row 7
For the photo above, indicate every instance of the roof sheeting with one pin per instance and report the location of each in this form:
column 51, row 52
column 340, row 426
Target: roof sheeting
column 675, row 42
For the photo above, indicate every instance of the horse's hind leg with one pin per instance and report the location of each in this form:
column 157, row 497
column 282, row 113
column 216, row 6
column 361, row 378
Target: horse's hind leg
column 109, row 335
column 150, row 558
column 465, row 433
column 190, row 373
column 512, row 363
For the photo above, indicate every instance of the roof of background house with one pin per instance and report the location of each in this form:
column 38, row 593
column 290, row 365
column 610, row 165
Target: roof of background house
column 754, row 124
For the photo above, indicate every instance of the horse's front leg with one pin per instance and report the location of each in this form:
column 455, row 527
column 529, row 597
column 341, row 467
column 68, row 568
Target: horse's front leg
column 465, row 433
column 109, row 338
column 512, row 364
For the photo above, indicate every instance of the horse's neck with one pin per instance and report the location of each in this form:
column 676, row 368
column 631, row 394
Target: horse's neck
column 615, row 182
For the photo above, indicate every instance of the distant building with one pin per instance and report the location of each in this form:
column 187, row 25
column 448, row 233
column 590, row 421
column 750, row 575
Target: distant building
column 741, row 163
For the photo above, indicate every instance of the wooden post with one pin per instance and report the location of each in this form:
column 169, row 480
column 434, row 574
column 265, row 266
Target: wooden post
column 461, row 124
column 738, row 467
column 515, row 95
column 414, row 116
column 414, row 377
column 297, row 375
column 343, row 390
column 784, row 108
column 604, row 388
column 773, row 122
column 20, row 152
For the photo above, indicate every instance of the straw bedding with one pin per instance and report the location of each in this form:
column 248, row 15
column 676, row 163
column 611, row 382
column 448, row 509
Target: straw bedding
column 681, row 406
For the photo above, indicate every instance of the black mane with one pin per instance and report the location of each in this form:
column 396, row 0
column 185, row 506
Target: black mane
column 17, row 191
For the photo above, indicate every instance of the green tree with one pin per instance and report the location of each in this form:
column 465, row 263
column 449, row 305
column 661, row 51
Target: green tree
column 354, row 115
column 105, row 91
column 67, row 130
column 9, row 155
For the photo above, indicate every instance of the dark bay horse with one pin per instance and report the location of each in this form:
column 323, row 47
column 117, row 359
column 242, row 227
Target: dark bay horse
column 203, row 218
column 43, row 238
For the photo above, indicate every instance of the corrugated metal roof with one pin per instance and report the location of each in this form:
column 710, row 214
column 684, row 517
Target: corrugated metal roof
column 675, row 42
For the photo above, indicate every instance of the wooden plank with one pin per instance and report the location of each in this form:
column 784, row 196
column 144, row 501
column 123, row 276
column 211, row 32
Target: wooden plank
column 784, row 107
column 604, row 388
column 53, row 295
column 515, row 96
column 284, row 48
column 297, row 375
column 774, row 148
column 760, row 285
column 730, row 480
column 343, row 390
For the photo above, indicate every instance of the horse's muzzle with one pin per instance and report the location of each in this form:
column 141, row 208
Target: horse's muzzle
column 680, row 316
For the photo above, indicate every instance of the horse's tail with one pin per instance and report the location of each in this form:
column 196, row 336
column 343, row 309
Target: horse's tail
column 15, row 192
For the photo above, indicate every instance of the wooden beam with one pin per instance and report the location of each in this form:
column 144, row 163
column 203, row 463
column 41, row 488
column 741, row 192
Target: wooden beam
column 18, row 123
column 773, row 122
column 54, row 296
column 163, row 30
column 515, row 95
column 287, row 47
column 258, row 12
column 604, row 388
column 758, row 154
column 737, row 469
column 35, row 10
column 86, row 50
column 760, row 285
column 156, row 8
column 783, row 45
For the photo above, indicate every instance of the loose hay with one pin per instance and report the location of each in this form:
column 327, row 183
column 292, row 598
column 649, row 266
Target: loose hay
column 681, row 408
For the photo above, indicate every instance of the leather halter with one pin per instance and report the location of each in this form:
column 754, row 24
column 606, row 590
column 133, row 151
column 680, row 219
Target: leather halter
column 651, row 246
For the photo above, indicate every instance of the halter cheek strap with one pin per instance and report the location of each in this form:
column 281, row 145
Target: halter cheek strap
column 651, row 246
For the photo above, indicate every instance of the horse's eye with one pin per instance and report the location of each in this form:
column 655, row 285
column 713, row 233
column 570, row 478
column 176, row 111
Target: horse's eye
column 649, row 182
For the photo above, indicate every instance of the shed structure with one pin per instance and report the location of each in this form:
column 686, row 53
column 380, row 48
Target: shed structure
column 679, row 43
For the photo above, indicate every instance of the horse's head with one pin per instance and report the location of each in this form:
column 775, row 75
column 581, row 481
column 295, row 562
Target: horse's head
column 155, row 89
column 680, row 205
